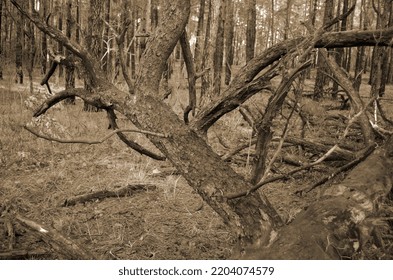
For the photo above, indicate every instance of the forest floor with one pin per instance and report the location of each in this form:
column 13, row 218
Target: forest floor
column 169, row 221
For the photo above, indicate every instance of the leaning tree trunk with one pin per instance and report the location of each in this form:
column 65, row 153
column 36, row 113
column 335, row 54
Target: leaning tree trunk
column 250, row 216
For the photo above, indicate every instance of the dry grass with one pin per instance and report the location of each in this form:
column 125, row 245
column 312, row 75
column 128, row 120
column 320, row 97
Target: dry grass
column 37, row 176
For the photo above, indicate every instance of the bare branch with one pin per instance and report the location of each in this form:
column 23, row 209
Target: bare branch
column 64, row 94
column 308, row 166
column 133, row 145
column 92, row 142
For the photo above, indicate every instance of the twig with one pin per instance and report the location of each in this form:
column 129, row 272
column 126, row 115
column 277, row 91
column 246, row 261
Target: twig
column 92, row 142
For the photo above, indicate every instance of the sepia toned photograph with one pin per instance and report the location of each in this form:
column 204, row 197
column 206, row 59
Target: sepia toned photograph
column 196, row 130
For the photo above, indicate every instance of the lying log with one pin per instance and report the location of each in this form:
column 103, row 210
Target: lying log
column 342, row 221
column 338, row 154
column 128, row 190
column 23, row 254
column 62, row 245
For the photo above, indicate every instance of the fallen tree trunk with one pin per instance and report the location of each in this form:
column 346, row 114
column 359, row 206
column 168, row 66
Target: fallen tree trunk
column 342, row 221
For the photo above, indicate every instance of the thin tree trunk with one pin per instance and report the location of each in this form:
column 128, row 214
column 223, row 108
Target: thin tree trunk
column 44, row 47
column 1, row 40
column 69, row 70
column 219, row 49
column 321, row 80
column 19, row 49
column 106, row 46
column 251, row 29
column 31, row 49
column 206, row 53
column 229, row 42
column 199, row 33
column 93, row 40
column 60, row 49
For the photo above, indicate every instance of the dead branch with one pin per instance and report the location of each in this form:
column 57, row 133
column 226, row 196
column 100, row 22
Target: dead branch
column 200, row 74
column 236, row 150
column 342, row 169
column 280, row 145
column 92, row 142
column 280, row 177
column 58, row 242
column 23, row 254
column 308, row 166
column 133, row 145
column 64, row 94
column 338, row 154
column 128, row 190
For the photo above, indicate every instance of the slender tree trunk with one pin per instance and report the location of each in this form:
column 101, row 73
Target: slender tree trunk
column 31, row 48
column 219, row 49
column 19, row 49
column 199, row 33
column 93, row 40
column 78, row 21
column 360, row 55
column 132, row 53
column 273, row 28
column 1, row 40
column 229, row 42
column 206, row 53
column 251, row 29
column 287, row 19
column 69, row 70
column 60, row 48
column 106, row 44
column 44, row 46
column 321, row 80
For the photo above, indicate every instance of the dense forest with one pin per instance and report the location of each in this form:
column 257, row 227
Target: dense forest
column 273, row 117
